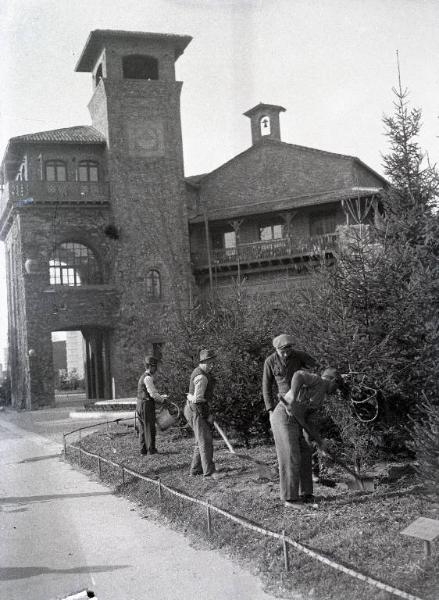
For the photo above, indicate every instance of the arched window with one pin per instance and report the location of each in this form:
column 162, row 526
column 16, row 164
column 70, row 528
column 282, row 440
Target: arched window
column 55, row 170
column 137, row 66
column 153, row 285
column 74, row 264
column 88, row 170
column 265, row 125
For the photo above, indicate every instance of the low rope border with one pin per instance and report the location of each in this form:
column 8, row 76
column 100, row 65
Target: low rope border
column 247, row 524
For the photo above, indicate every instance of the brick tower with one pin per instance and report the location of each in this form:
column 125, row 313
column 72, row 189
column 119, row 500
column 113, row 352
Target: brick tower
column 136, row 106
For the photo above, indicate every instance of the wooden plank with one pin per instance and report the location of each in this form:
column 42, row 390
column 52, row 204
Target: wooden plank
column 116, row 402
column 95, row 414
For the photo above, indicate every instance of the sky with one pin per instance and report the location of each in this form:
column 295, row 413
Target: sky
column 331, row 64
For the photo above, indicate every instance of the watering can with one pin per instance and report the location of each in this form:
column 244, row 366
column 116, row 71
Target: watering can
column 165, row 418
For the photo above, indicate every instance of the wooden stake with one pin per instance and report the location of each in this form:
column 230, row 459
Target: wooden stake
column 286, row 555
column 209, row 519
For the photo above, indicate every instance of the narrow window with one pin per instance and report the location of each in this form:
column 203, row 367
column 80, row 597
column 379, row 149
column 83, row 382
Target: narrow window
column 88, row 170
column 55, row 170
column 74, row 264
column 153, row 285
column 270, row 232
column 230, row 239
column 98, row 75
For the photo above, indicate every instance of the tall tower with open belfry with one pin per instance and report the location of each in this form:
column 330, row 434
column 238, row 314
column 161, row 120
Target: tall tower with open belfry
column 136, row 106
column 94, row 222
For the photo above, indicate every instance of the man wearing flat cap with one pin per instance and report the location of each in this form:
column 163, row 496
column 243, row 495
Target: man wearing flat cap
column 147, row 395
column 197, row 413
column 279, row 369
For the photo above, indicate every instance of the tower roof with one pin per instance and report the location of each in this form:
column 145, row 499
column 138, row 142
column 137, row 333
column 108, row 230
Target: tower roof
column 262, row 106
column 99, row 37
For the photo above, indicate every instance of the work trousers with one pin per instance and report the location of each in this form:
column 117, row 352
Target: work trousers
column 146, row 426
column 294, row 452
column 202, row 460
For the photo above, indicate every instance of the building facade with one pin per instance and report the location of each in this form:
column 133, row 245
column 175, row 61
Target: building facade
column 104, row 234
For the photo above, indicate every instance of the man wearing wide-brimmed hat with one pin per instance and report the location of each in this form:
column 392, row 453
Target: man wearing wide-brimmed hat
column 197, row 413
column 279, row 369
column 147, row 395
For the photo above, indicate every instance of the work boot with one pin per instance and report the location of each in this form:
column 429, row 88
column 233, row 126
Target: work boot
column 308, row 499
column 143, row 451
column 292, row 503
column 154, row 451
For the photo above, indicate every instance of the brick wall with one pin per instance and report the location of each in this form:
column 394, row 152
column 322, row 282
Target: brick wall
column 148, row 199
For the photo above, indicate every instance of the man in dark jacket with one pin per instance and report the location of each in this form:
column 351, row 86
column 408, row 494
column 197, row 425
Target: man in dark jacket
column 147, row 395
column 279, row 369
column 197, row 413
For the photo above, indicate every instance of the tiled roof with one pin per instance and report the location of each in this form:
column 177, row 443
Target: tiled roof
column 197, row 179
column 82, row 134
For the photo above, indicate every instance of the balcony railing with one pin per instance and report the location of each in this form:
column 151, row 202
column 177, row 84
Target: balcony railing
column 267, row 250
column 20, row 193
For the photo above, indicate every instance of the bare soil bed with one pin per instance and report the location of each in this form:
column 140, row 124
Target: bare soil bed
column 355, row 529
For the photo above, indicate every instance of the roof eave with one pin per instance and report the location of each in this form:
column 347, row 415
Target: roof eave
column 96, row 39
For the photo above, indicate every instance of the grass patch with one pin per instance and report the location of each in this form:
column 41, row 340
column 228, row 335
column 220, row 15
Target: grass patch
column 356, row 529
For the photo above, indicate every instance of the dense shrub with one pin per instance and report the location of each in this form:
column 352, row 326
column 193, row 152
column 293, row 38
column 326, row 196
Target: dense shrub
column 241, row 341
column 373, row 313
column 426, row 445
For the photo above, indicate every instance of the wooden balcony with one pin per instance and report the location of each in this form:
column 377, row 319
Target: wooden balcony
column 22, row 193
column 264, row 253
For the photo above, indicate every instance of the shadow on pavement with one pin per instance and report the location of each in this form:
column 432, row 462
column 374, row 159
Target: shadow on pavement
column 32, row 499
column 8, row 573
column 38, row 458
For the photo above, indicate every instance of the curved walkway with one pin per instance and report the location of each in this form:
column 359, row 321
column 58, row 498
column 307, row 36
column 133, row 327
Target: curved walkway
column 66, row 533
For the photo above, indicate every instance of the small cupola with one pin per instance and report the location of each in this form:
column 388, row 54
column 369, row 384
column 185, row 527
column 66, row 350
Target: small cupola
column 265, row 121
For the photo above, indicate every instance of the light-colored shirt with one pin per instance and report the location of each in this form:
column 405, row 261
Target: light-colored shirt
column 200, row 385
column 308, row 392
column 151, row 389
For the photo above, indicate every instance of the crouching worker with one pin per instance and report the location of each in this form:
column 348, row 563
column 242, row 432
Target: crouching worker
column 295, row 424
column 147, row 395
column 198, row 415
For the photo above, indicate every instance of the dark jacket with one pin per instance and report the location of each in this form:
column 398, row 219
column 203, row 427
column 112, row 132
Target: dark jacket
column 280, row 373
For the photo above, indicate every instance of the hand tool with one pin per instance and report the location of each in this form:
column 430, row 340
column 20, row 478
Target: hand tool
column 264, row 470
column 365, row 484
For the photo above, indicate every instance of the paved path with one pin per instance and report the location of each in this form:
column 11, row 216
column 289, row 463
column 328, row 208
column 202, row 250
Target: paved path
column 62, row 532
